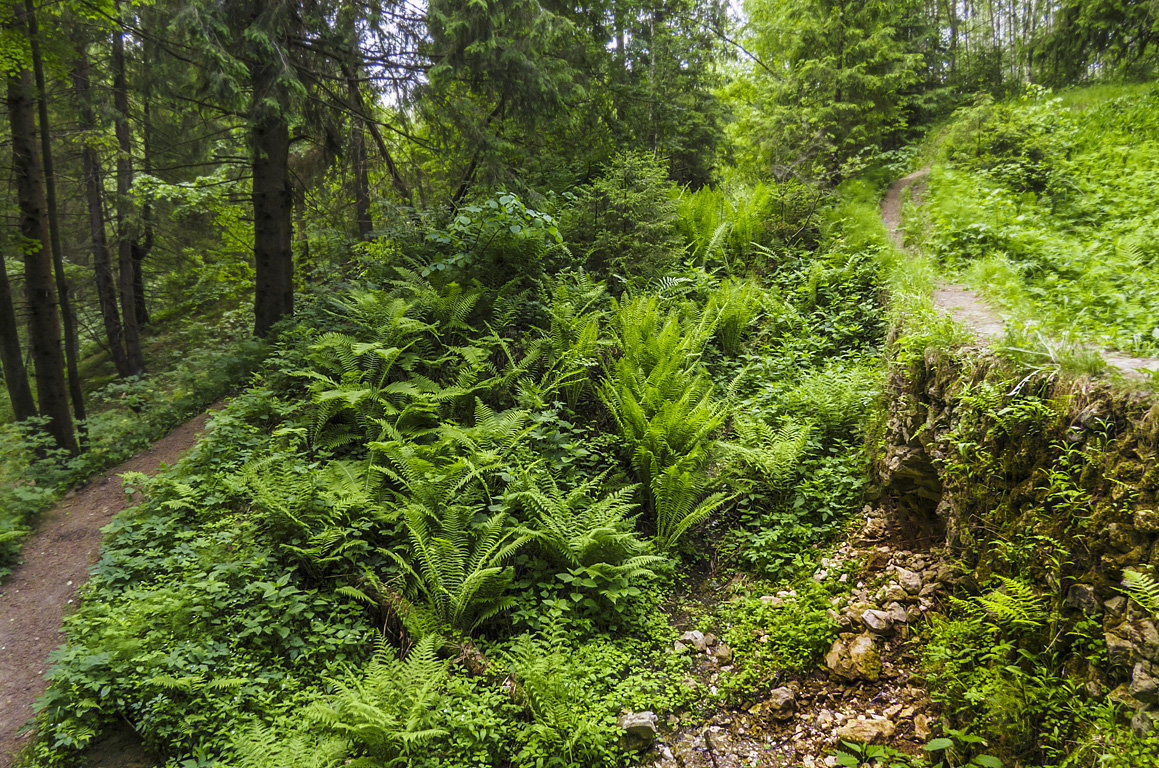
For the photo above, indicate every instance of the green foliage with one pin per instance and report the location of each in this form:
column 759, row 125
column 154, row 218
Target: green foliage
column 992, row 669
column 392, row 708
column 739, row 304
column 1143, row 589
column 839, row 81
column 768, row 640
column 594, row 541
column 623, row 224
column 495, row 240
column 666, row 409
column 1047, row 211
column 455, row 567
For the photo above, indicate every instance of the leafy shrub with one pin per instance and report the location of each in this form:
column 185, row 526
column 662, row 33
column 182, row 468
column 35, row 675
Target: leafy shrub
column 767, row 639
column 495, row 241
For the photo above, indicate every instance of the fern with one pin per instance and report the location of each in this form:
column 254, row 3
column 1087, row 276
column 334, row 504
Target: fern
column 1143, row 589
column 577, row 532
column 1015, row 605
column 772, row 454
column 267, row 747
column 738, row 304
column 563, row 718
column 393, row 709
column 681, row 503
column 455, row 568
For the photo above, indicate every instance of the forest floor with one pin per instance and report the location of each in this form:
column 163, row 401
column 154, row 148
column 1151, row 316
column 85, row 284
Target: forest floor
column 964, row 304
column 43, row 586
column 869, row 695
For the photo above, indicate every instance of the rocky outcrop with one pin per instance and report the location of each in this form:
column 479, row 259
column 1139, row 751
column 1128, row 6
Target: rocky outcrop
column 988, row 459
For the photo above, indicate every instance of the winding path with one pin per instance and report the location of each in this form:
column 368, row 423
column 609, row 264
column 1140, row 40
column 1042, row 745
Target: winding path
column 964, row 304
column 56, row 561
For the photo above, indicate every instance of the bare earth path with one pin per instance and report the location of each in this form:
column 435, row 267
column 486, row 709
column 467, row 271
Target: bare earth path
column 56, row 560
column 963, row 303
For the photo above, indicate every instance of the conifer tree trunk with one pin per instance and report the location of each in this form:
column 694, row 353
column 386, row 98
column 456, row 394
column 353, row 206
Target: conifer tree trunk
column 273, row 219
column 43, row 319
column 361, row 180
column 143, row 246
column 11, row 357
column 102, row 270
column 68, row 314
column 133, row 355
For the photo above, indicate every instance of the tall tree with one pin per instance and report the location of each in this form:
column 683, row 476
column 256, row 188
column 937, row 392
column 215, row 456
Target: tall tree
column 268, row 26
column 11, row 356
column 103, row 278
column 126, row 226
column 43, row 318
column 67, row 312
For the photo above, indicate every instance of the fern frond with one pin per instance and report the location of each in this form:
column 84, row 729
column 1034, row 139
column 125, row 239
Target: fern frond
column 1143, row 589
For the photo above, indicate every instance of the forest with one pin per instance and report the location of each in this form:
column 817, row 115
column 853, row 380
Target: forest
column 600, row 383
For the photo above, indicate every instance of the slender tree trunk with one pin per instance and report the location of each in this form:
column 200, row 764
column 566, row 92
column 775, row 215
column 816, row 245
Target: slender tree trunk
column 359, row 106
column 15, row 377
column 361, row 180
column 68, row 314
column 143, row 247
column 273, row 220
column 300, row 228
column 102, row 270
column 124, row 205
column 43, row 320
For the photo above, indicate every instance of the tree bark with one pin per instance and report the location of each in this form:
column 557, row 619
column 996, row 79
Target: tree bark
column 133, row 354
column 43, row 320
column 143, row 246
column 68, row 314
column 361, row 180
column 273, row 219
column 102, row 270
column 11, row 357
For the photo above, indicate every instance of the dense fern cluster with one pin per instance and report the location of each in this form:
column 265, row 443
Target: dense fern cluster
column 489, row 508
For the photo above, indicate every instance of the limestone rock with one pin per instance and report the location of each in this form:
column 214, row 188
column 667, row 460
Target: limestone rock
column 639, row 728
column 868, row 731
column 1144, row 723
column 894, row 594
column 1118, row 650
column 1150, row 639
column 909, row 581
column 721, row 653
column 1122, row 696
column 878, row 622
column 896, row 613
column 1115, row 605
column 1144, row 686
column 696, row 639
column 1147, row 520
column 857, row 659
column 782, row 703
column 922, row 727
column 1082, row 597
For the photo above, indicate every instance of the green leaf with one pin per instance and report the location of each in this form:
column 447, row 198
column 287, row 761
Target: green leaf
column 936, row 744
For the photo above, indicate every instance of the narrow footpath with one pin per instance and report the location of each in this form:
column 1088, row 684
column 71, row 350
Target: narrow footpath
column 55, row 562
column 964, row 304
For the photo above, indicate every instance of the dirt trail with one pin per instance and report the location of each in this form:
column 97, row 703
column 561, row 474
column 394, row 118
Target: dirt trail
column 56, row 560
column 963, row 303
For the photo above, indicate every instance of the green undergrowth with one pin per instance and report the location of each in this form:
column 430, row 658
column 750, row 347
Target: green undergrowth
column 441, row 525
column 202, row 362
column 1046, row 205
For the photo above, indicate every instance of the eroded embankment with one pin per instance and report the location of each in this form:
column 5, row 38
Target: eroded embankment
column 1046, row 490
